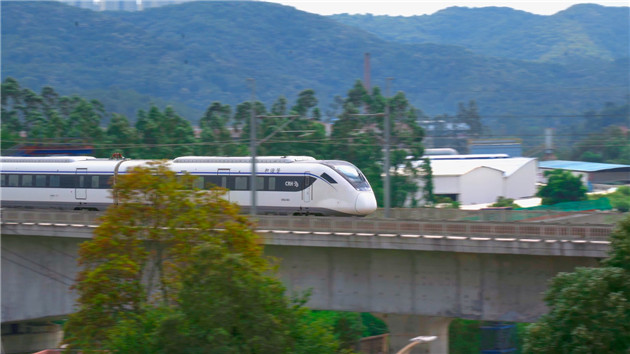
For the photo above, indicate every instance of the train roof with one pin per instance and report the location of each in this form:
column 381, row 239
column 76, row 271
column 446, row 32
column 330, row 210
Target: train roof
column 46, row 159
column 241, row 159
column 183, row 159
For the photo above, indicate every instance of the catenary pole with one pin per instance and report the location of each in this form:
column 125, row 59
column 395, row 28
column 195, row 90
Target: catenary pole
column 252, row 145
column 387, row 142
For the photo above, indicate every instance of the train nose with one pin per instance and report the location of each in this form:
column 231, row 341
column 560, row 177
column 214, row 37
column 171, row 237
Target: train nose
column 365, row 204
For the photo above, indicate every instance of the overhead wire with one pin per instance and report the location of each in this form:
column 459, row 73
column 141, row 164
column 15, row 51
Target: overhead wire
column 350, row 141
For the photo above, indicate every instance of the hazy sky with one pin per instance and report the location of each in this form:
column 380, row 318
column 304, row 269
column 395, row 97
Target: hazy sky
column 421, row 7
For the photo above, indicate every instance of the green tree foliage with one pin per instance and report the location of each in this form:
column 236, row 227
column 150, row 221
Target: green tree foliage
column 619, row 255
column 610, row 145
column 610, row 115
column 358, row 136
column 121, row 137
column 146, row 63
column 306, row 100
column 354, row 141
column 175, row 269
column 350, row 327
column 228, row 305
column 293, row 131
column 464, row 336
column 620, row 199
column 503, row 202
column 427, row 175
column 215, row 135
column 164, row 135
column 48, row 119
column 589, row 308
column 562, row 186
column 470, row 116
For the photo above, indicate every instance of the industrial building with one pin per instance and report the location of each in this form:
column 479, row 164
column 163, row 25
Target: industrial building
column 477, row 179
column 512, row 147
column 591, row 172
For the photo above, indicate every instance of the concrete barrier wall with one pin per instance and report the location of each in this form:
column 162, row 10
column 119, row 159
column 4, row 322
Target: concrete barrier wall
column 550, row 231
column 443, row 228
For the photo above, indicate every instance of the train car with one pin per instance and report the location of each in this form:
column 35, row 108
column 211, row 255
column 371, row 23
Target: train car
column 290, row 185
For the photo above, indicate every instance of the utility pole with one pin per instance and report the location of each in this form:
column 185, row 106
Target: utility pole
column 252, row 145
column 387, row 142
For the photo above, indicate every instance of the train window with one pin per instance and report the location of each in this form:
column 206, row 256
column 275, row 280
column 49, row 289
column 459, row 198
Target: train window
column 328, row 178
column 67, row 181
column 105, row 182
column 272, row 183
column 53, row 181
column 27, row 180
column 40, row 181
column 198, row 182
column 240, row 183
column 352, row 174
column 3, row 180
column 95, row 181
column 260, row 183
column 13, row 180
column 211, row 181
column 81, row 181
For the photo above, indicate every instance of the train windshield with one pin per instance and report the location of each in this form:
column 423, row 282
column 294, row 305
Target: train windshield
column 351, row 174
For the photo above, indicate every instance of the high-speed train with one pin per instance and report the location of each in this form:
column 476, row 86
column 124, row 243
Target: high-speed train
column 291, row 185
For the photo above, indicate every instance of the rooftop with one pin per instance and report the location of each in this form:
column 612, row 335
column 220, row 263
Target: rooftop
column 581, row 166
column 457, row 167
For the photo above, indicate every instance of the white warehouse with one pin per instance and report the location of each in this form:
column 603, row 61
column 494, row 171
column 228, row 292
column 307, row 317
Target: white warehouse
column 477, row 179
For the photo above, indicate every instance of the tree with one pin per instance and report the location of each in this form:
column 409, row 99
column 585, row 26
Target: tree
column 427, row 175
column 173, row 268
column 609, row 145
column 562, row 186
column 349, row 327
column 121, row 136
column 620, row 199
column 85, row 121
column 470, row 116
column 227, row 305
column 503, row 202
column 589, row 308
column 306, row 100
column 165, row 135
column 279, row 107
column 215, row 136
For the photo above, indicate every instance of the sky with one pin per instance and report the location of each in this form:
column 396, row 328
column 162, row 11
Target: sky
column 427, row 7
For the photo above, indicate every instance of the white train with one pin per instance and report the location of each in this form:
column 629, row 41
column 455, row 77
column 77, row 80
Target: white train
column 285, row 184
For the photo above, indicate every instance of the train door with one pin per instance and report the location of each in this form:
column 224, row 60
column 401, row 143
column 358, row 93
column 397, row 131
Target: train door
column 224, row 174
column 307, row 192
column 80, row 188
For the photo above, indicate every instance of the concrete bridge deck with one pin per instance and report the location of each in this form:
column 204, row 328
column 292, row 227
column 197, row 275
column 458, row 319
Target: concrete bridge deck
column 416, row 274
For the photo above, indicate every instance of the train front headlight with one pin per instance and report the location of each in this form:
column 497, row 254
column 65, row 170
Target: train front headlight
column 365, row 203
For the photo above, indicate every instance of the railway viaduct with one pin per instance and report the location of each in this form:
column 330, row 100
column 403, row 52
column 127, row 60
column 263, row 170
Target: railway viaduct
column 416, row 275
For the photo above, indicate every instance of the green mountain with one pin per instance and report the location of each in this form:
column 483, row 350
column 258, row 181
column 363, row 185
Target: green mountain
column 584, row 31
column 192, row 54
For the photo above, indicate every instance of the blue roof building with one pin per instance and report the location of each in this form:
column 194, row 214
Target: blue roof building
column 593, row 172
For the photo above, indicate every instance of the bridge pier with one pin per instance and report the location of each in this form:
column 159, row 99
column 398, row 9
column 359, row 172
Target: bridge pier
column 404, row 327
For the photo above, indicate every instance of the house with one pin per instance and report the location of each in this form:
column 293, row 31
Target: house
column 476, row 179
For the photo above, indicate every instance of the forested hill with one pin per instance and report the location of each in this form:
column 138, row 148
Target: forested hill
column 580, row 32
column 192, row 54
